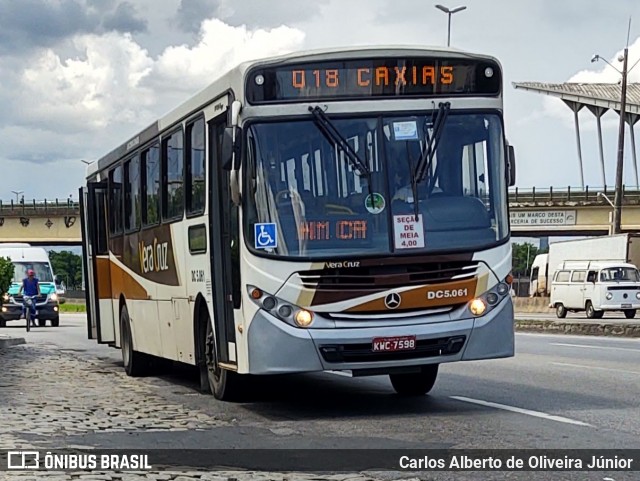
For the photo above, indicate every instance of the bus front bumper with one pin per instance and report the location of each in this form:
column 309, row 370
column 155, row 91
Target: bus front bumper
column 276, row 347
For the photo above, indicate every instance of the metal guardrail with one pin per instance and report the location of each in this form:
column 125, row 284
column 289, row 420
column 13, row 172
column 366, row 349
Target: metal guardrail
column 571, row 194
column 40, row 207
column 516, row 195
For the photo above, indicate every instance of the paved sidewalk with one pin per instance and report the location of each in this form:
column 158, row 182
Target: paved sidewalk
column 63, row 400
column 7, row 341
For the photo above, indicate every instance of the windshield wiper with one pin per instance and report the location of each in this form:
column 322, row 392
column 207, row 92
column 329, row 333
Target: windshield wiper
column 424, row 164
column 332, row 134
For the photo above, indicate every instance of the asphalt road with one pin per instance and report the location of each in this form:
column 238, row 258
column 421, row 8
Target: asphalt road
column 557, row 392
column 618, row 317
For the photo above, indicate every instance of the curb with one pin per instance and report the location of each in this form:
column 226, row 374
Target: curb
column 11, row 341
column 581, row 328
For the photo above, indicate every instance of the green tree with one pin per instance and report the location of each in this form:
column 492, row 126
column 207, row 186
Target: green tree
column 522, row 258
column 67, row 266
column 6, row 275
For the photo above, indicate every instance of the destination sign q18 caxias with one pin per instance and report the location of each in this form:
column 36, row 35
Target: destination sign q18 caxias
column 547, row 218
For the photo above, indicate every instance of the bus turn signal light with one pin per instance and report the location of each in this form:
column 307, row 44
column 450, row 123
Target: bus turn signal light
column 256, row 293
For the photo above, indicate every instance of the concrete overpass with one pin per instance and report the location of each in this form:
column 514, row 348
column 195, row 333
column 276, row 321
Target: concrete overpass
column 534, row 213
column 566, row 212
column 54, row 222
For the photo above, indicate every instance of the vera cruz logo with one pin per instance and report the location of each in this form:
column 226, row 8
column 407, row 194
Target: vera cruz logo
column 154, row 257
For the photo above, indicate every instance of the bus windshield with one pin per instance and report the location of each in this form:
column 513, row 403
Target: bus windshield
column 41, row 269
column 305, row 191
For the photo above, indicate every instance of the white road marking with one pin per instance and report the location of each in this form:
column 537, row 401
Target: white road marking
column 577, row 337
column 582, row 366
column 587, row 346
column 528, row 412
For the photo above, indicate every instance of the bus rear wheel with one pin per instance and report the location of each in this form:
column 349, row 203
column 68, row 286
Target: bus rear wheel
column 415, row 384
column 629, row 313
column 222, row 383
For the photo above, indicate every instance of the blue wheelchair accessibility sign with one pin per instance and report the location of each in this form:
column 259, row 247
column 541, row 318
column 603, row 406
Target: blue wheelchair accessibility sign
column 266, row 236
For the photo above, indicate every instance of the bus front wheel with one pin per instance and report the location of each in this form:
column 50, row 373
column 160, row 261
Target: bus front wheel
column 222, row 383
column 415, row 384
column 135, row 363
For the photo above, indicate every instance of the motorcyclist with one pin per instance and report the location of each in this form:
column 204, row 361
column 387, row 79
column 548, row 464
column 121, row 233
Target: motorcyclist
column 30, row 287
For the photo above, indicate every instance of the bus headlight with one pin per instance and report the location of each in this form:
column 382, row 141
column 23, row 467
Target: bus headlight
column 477, row 307
column 609, row 296
column 303, row 318
column 638, row 295
column 483, row 304
column 54, row 297
column 283, row 310
column 5, row 297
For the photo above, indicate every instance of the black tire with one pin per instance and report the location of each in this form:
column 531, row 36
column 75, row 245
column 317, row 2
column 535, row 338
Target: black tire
column 415, row 384
column 223, row 384
column 55, row 322
column 27, row 317
column 42, row 322
column 590, row 311
column 561, row 311
column 3, row 323
column 135, row 363
column 629, row 313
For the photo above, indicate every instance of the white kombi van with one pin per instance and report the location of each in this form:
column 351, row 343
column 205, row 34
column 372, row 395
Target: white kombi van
column 595, row 287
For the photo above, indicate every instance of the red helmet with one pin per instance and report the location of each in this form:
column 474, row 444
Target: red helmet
column 30, row 272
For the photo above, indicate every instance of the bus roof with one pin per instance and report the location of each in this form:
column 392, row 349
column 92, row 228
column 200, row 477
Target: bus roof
column 234, row 79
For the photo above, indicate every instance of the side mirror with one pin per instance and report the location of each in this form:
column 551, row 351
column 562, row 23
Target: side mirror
column 511, row 165
column 57, row 280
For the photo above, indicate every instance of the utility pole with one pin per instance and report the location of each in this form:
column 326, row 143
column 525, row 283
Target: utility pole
column 617, row 210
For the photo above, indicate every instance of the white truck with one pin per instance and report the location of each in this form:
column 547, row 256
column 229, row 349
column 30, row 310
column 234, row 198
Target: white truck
column 622, row 248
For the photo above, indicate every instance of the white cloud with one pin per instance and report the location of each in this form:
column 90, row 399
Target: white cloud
column 81, row 105
column 221, row 47
column 91, row 92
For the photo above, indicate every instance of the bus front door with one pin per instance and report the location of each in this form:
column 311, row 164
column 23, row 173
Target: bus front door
column 100, row 319
column 224, row 259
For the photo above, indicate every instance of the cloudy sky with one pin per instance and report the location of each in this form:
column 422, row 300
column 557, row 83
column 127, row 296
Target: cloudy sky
column 78, row 77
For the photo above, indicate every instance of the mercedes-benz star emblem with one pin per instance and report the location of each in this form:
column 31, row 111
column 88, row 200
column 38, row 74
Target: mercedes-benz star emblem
column 393, row 300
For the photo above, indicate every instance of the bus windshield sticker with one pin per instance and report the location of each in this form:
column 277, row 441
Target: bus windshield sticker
column 375, row 203
column 407, row 130
column 408, row 233
column 266, row 236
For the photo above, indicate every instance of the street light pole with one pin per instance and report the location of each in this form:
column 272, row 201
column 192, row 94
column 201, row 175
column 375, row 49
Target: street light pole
column 450, row 12
column 617, row 211
column 17, row 192
column 600, row 195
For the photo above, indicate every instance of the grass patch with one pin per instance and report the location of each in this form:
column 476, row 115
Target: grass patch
column 67, row 307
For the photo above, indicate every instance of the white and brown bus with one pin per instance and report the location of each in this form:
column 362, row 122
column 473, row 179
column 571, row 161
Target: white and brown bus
column 337, row 210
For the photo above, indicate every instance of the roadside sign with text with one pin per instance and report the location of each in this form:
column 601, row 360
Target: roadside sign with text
column 548, row 218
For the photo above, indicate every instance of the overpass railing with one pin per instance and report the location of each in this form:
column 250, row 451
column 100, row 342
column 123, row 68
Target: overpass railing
column 589, row 194
column 40, row 207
